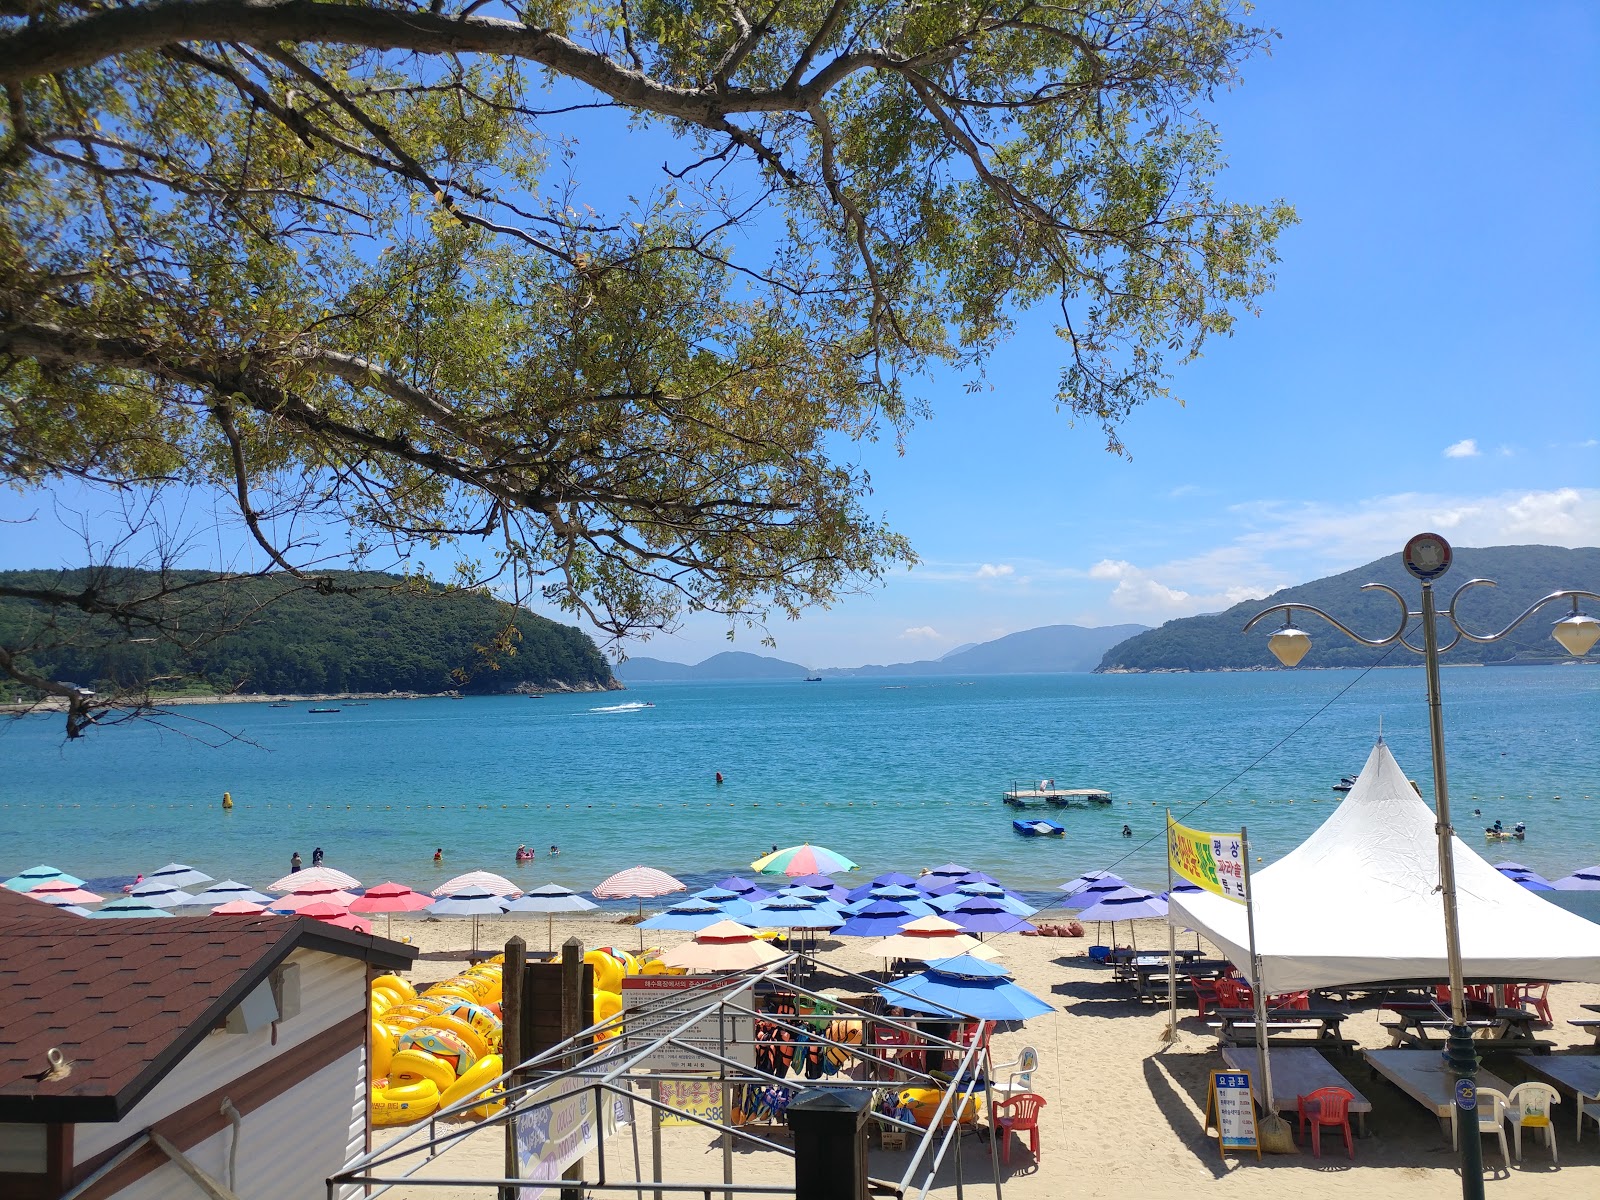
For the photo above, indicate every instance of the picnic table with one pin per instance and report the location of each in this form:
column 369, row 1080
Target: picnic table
column 1580, row 1074
column 1124, row 955
column 1237, row 1026
column 1296, row 1071
column 1420, row 1020
column 1424, row 1076
column 1149, row 969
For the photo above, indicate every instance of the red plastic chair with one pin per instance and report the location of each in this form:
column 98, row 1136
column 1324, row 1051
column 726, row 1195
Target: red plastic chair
column 1292, row 1001
column 981, row 1030
column 1016, row 1115
column 1538, row 1001
column 1206, row 993
column 1228, row 994
column 1326, row 1106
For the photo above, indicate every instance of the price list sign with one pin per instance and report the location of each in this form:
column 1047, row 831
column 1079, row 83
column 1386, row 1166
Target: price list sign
column 1230, row 1107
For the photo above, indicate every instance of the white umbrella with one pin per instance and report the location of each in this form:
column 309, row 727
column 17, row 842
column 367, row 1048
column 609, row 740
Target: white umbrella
column 486, row 881
column 550, row 899
column 725, row 946
column 226, row 892
column 469, row 902
column 294, row 881
column 160, row 895
column 177, row 875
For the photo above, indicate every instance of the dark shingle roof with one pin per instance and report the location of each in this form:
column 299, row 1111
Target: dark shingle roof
column 125, row 1000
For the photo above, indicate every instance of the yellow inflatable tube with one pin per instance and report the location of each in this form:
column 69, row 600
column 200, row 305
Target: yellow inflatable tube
column 402, row 1104
column 411, row 1064
column 383, row 1047
column 476, row 1042
column 475, row 1077
column 396, row 985
column 924, row 1102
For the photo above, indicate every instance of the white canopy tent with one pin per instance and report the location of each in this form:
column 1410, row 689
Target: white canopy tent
column 1356, row 902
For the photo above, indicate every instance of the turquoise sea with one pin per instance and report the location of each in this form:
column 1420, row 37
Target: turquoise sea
column 896, row 774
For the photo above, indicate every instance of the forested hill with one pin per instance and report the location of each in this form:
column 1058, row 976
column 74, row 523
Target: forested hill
column 378, row 634
column 1524, row 573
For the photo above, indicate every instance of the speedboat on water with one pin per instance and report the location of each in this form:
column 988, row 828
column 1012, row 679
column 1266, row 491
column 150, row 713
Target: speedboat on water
column 1345, row 783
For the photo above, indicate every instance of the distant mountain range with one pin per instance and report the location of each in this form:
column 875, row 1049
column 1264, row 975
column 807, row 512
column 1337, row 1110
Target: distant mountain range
column 1047, row 649
column 1214, row 642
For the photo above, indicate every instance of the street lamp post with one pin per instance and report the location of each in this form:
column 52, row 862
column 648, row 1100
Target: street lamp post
column 1427, row 557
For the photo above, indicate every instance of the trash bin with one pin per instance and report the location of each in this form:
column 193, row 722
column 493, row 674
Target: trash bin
column 830, row 1143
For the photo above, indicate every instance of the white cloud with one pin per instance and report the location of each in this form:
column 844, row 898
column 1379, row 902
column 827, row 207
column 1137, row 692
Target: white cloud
column 923, row 633
column 1465, row 448
column 993, row 571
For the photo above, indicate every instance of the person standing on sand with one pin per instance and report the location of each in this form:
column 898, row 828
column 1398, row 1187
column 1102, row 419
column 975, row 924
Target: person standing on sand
column 294, row 862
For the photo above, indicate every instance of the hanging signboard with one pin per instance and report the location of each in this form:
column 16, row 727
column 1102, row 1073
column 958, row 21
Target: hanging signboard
column 702, row 1097
column 1213, row 861
column 563, row 1129
column 650, row 1012
column 1228, row 1102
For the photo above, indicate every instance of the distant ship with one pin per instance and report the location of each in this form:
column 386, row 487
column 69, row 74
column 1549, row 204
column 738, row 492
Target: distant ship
column 322, row 710
column 813, row 679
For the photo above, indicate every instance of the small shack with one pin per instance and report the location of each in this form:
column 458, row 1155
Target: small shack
column 221, row 1056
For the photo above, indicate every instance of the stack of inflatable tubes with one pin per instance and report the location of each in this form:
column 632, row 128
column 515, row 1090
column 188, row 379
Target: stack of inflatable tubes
column 432, row 1050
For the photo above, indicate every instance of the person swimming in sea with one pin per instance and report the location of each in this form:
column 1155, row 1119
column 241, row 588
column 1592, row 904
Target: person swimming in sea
column 524, row 854
column 555, row 850
column 294, row 862
column 1127, row 831
column 316, row 857
column 438, row 855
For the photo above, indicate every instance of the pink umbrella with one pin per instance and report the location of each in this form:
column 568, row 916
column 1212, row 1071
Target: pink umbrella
column 297, row 901
column 296, row 881
column 237, row 908
column 348, row 921
column 390, row 898
column 322, row 910
column 641, row 883
column 59, row 890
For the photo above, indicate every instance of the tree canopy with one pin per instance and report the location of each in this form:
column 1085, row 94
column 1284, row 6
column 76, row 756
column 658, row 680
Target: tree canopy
column 337, row 262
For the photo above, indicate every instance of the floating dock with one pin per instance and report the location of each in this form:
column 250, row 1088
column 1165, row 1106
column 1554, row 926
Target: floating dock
column 1026, row 797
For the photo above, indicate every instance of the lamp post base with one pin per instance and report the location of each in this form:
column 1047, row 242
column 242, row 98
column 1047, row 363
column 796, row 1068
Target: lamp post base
column 1461, row 1056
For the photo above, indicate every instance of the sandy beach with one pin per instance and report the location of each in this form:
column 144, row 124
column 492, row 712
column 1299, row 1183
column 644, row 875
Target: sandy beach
column 1125, row 1109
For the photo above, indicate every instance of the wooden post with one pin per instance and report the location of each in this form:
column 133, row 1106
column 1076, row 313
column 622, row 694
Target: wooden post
column 511, row 1041
column 571, row 988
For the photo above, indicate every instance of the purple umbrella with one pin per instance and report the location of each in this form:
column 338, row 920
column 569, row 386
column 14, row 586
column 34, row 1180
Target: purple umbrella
column 1105, row 880
column 881, row 918
column 980, row 914
column 744, row 889
column 1586, row 880
column 820, row 883
column 1124, row 904
column 889, row 879
column 1518, row 873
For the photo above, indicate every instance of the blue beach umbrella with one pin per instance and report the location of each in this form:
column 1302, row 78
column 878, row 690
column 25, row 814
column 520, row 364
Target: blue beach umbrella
column 1586, row 880
column 822, row 883
column 1106, row 880
column 34, row 876
column 743, row 888
column 177, row 875
column 965, row 986
column 981, row 914
column 159, row 895
column 989, row 891
column 1124, row 904
column 792, row 912
column 731, row 903
column 690, row 915
column 888, row 879
column 129, row 906
column 471, row 902
column 226, row 892
column 1529, row 879
column 881, row 918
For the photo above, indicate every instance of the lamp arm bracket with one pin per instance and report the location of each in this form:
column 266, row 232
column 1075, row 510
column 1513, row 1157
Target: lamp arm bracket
column 1397, row 636
column 1573, row 594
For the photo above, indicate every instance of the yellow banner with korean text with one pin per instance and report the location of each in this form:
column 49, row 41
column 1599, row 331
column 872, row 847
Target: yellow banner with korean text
column 1213, row 861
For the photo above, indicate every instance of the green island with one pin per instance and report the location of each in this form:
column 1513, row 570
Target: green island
column 1215, row 641
column 365, row 632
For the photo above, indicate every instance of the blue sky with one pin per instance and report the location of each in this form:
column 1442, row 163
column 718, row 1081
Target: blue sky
column 1426, row 360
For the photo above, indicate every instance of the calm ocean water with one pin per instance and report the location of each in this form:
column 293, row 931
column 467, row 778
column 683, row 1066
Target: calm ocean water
column 896, row 777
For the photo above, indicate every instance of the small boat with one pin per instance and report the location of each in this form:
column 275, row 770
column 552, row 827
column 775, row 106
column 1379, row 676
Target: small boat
column 1346, row 782
column 322, row 710
column 1038, row 828
column 280, row 704
column 813, row 679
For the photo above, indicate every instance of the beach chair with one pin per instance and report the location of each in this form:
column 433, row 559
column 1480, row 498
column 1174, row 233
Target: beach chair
column 1205, row 994
column 1018, row 1115
column 1528, row 1106
column 1586, row 1105
column 1534, row 997
column 1291, row 1002
column 1021, row 1077
column 1491, row 1119
column 1228, row 994
column 1326, row 1106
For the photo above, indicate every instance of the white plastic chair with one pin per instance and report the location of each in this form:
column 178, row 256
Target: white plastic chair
column 1491, row 1119
column 1586, row 1105
column 1021, row 1079
column 1528, row 1106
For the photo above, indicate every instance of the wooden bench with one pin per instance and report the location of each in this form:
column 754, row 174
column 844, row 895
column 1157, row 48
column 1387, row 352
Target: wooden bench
column 1423, row 1075
column 1507, row 1028
column 1296, row 1072
column 1237, row 1026
column 1591, row 1024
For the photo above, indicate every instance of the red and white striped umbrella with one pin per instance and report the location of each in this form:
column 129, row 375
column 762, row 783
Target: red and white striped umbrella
column 295, row 901
column 498, row 885
column 296, row 881
column 640, row 882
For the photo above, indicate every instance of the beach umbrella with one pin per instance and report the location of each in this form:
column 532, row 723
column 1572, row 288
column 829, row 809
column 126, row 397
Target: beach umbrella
column 159, row 895
column 295, row 901
column 129, row 906
column 965, row 986
column 238, row 908
column 1586, row 880
column 887, row 879
column 59, row 892
column 926, row 949
column 76, row 910
column 550, row 899
column 638, row 883
column 314, row 877
column 226, row 892
column 981, row 914
column 725, row 946
column 348, row 920
column 692, row 915
column 1529, row 879
column 743, row 888
column 389, row 898
column 987, row 891
column 822, row 883
column 487, row 881
column 802, row 860
column 177, row 875
column 1106, row 880
column 894, row 891
column 469, row 902
column 792, row 912
column 731, row 903
column 880, row 918
column 63, row 901
column 1124, row 904
column 34, row 876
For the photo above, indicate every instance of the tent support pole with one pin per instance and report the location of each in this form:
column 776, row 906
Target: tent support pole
column 1172, row 946
column 1255, row 978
